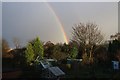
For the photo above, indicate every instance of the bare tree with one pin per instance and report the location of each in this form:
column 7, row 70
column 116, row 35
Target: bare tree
column 87, row 34
column 5, row 46
column 16, row 42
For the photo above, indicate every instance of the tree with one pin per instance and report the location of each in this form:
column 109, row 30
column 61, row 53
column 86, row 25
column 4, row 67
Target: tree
column 29, row 53
column 73, row 50
column 19, row 58
column 87, row 33
column 48, row 49
column 16, row 42
column 58, row 52
column 101, row 54
column 38, row 48
column 59, row 55
column 118, row 55
column 116, row 36
column 57, row 48
column 114, row 48
column 65, row 48
column 85, row 59
column 5, row 46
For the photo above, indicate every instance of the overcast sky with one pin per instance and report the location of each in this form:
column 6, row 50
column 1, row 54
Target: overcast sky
column 27, row 20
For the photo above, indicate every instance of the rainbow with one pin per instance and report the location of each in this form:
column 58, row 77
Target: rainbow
column 59, row 22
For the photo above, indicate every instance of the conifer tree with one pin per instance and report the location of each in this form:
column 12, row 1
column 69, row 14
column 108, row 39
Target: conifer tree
column 38, row 48
column 29, row 53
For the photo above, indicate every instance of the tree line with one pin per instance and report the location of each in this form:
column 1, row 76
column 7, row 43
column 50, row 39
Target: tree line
column 87, row 42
